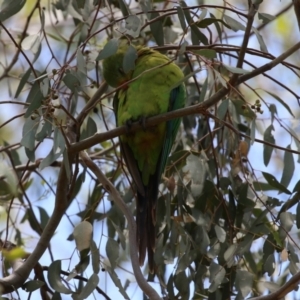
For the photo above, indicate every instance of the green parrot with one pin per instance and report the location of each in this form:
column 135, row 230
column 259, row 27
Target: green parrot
column 158, row 88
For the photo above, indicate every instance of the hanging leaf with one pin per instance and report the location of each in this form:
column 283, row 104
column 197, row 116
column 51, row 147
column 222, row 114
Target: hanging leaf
column 124, row 8
column 10, row 8
column 133, row 26
column 288, row 167
column 23, row 81
column 95, row 257
column 33, row 285
column 89, row 287
column 263, row 46
column 34, row 99
column 217, row 274
column 112, row 252
column 221, row 234
column 234, row 24
column 244, row 281
column 269, row 138
column 110, row 48
column 181, row 18
column 266, row 18
column 273, row 182
column 269, row 265
column 114, row 277
column 129, row 59
column 283, row 103
column 54, row 278
column 157, row 29
column 208, row 21
column 298, row 216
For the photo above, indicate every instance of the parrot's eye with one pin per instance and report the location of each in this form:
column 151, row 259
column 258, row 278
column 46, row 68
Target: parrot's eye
column 121, row 71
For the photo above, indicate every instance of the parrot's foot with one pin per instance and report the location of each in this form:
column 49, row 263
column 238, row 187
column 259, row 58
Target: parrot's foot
column 142, row 121
column 128, row 125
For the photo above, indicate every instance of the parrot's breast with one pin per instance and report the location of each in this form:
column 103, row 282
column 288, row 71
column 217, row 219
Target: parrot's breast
column 146, row 146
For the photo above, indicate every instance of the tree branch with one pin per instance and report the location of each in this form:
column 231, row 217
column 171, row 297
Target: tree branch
column 289, row 286
column 20, row 275
column 191, row 110
column 143, row 284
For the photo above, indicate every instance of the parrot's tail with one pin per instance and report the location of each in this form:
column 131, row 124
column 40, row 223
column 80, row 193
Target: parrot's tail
column 145, row 221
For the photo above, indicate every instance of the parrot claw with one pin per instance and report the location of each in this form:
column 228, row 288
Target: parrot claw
column 142, row 121
column 128, row 125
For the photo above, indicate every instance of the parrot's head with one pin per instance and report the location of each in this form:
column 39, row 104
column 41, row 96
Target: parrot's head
column 113, row 71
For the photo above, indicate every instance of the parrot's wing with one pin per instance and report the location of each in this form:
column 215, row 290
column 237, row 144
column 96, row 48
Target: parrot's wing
column 128, row 155
column 176, row 101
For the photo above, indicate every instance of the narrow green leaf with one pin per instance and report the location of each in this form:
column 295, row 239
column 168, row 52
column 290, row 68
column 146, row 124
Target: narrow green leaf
column 43, row 216
column 91, row 127
column 197, row 36
column 82, row 265
column 288, row 167
column 170, row 287
column 112, row 252
column 220, row 233
column 28, row 132
column 263, row 46
column 218, row 27
column 222, row 109
column 283, row 103
column 208, row 21
column 286, row 220
column 273, row 182
column 10, row 8
column 44, row 86
column 110, row 48
column 35, row 98
column 71, row 81
column 297, row 187
column 23, row 81
column 252, row 132
column 181, row 18
column 182, row 283
column 81, row 64
column 129, row 59
column 49, row 159
column 124, row 8
column 266, row 18
column 54, row 278
column 269, row 138
column 234, row 24
column 89, row 287
column 269, row 265
column 203, row 91
column 230, row 253
column 30, row 154
column 117, row 282
column 217, row 274
column 298, row 216
column 32, row 285
column 120, row 235
column 157, row 29
column 244, row 281
column 235, row 70
column 95, row 257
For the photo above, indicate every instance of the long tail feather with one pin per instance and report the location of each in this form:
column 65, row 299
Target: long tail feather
column 145, row 219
